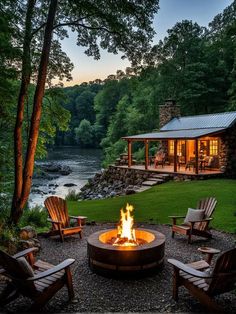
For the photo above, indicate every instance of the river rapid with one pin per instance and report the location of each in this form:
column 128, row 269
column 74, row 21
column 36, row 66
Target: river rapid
column 84, row 163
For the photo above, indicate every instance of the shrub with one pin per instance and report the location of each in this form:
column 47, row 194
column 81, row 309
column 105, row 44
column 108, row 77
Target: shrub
column 36, row 217
column 8, row 233
column 5, row 205
column 72, row 196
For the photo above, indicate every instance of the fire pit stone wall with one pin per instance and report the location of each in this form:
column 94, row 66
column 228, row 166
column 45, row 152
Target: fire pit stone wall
column 116, row 261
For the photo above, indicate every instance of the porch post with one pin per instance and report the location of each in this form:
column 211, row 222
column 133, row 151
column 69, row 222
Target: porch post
column 146, row 155
column 175, row 155
column 129, row 153
column 196, row 156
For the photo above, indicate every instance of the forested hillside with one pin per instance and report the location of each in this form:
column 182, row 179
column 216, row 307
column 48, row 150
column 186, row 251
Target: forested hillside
column 193, row 65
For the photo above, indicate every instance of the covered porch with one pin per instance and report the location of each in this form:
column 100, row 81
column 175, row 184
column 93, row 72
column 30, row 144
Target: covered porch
column 168, row 169
column 191, row 152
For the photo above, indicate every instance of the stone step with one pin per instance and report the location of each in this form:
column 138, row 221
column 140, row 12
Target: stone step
column 159, row 176
column 150, row 183
column 156, row 180
column 142, row 189
column 165, row 175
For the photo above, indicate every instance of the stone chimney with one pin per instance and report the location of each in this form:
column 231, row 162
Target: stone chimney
column 168, row 111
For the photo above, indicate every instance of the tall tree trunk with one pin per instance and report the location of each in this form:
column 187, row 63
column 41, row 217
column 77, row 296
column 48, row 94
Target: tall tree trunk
column 25, row 80
column 36, row 115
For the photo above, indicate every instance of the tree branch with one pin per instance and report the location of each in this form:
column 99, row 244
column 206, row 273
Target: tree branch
column 75, row 23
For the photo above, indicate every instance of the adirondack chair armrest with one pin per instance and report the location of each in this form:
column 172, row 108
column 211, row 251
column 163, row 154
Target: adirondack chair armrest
column 25, row 252
column 54, row 221
column 80, row 219
column 174, row 218
column 66, row 263
column 189, row 270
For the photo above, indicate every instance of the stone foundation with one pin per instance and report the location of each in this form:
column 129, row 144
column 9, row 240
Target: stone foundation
column 116, row 181
column 112, row 182
column 228, row 152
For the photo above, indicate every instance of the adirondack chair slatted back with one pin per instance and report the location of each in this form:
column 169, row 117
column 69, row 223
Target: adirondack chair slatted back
column 15, row 271
column 225, row 273
column 57, row 210
column 209, row 204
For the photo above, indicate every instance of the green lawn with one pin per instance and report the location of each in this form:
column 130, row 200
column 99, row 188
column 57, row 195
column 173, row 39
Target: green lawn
column 157, row 203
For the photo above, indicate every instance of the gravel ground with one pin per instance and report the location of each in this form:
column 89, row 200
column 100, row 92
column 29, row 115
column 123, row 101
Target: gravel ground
column 151, row 294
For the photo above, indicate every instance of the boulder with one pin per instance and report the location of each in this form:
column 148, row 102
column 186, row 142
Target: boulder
column 70, row 184
column 26, row 244
column 28, row 232
column 65, row 170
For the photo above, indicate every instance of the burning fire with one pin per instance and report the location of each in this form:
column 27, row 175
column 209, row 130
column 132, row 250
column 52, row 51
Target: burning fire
column 125, row 230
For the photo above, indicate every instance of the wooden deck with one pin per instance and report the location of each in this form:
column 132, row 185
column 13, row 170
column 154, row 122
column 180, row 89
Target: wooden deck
column 170, row 169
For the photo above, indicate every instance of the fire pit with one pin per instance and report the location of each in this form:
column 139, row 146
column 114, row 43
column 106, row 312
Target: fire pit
column 126, row 250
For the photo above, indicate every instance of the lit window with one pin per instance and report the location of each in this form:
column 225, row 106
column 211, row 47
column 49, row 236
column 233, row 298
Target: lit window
column 213, row 145
column 181, row 148
column 171, row 148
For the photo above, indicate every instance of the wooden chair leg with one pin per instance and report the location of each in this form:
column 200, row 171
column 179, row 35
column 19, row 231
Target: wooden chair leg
column 176, row 284
column 190, row 238
column 173, row 234
column 69, row 283
column 44, row 297
column 206, row 300
column 80, row 234
column 61, row 236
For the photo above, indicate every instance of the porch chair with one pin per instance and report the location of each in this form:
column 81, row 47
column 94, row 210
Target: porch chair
column 38, row 281
column 204, row 285
column 191, row 225
column 211, row 162
column 60, row 219
column 159, row 159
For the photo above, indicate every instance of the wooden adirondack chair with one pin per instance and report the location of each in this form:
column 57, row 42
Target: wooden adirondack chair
column 199, row 228
column 204, row 285
column 41, row 285
column 58, row 212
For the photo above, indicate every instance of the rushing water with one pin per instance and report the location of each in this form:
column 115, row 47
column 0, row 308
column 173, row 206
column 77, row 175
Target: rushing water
column 84, row 163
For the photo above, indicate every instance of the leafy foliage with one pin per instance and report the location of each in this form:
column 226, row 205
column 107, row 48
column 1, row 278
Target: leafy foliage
column 84, row 133
column 36, row 217
column 72, row 196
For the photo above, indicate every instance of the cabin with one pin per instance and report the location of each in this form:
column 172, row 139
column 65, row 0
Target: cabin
column 200, row 144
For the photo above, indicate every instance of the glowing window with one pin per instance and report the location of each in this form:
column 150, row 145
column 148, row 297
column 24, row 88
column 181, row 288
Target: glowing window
column 171, row 147
column 213, row 147
column 181, row 148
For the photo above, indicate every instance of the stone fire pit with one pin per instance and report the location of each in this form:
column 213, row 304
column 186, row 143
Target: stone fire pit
column 107, row 259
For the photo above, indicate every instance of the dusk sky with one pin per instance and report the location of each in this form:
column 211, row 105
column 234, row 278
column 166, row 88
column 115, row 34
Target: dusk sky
column 170, row 12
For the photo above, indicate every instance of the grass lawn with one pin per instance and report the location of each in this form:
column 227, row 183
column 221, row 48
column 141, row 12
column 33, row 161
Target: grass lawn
column 157, row 203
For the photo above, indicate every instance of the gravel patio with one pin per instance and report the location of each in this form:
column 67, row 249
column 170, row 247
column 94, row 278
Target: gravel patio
column 151, row 294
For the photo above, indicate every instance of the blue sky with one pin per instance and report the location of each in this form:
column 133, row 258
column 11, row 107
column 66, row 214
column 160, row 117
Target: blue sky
column 170, row 12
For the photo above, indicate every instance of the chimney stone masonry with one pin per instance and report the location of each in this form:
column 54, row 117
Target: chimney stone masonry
column 168, row 111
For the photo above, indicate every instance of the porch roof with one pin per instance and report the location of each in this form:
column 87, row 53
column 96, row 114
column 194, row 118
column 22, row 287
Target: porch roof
column 214, row 120
column 177, row 134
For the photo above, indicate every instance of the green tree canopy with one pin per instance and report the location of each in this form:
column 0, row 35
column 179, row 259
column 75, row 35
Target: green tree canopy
column 84, row 133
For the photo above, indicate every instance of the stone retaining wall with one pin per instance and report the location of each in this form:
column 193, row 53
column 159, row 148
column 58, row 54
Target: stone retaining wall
column 113, row 181
column 116, row 181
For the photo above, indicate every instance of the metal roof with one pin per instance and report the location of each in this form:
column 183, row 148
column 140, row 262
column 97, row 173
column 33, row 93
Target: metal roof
column 215, row 120
column 178, row 134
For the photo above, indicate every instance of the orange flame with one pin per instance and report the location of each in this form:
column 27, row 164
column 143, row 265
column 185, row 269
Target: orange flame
column 125, row 230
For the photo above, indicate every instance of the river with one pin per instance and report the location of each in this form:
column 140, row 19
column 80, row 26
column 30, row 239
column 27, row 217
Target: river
column 84, row 163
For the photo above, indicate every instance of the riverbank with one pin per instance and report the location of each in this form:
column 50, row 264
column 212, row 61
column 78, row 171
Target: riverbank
column 73, row 168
